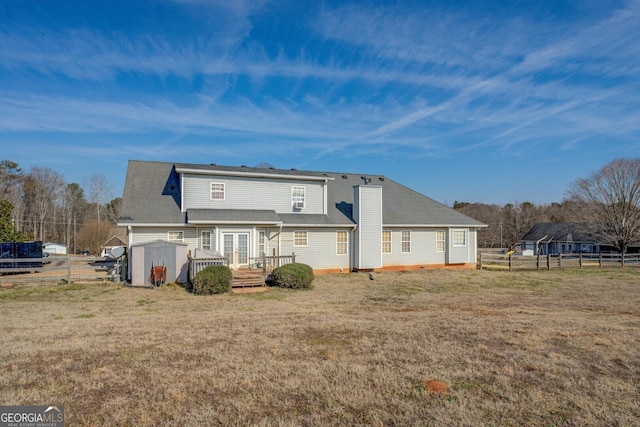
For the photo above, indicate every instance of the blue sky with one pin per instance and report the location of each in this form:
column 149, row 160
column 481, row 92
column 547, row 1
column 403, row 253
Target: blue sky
column 477, row 101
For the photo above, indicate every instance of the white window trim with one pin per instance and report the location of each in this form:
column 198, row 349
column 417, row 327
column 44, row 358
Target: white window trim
column 224, row 191
column 390, row 241
column 402, row 241
column 453, row 240
column 304, row 196
column 443, row 240
column 294, row 238
column 262, row 235
column 181, row 233
column 345, row 243
column 202, row 232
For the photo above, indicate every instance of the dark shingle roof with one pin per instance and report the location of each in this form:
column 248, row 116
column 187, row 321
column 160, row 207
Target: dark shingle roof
column 152, row 196
column 559, row 232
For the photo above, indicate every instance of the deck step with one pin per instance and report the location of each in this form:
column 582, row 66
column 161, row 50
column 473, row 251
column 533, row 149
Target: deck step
column 247, row 279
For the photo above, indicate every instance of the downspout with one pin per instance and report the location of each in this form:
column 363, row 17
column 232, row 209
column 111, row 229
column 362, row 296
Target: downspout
column 352, row 254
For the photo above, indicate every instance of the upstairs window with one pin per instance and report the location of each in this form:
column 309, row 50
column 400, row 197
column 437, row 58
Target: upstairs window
column 459, row 238
column 440, row 241
column 298, row 197
column 217, row 191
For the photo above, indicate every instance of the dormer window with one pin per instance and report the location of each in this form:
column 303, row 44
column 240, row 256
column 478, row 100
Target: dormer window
column 217, row 191
column 298, row 197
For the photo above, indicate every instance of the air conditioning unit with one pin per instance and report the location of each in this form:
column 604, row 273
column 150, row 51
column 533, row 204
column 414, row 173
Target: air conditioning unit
column 298, row 205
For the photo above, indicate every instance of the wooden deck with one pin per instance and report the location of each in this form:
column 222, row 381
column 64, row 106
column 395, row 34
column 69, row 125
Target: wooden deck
column 245, row 278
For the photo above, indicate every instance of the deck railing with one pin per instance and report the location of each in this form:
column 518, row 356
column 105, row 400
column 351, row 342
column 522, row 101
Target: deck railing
column 268, row 263
column 196, row 265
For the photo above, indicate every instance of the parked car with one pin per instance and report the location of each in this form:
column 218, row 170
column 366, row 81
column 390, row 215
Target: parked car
column 85, row 253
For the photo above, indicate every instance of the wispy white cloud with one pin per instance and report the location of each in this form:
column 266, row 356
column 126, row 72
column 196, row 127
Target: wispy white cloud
column 373, row 77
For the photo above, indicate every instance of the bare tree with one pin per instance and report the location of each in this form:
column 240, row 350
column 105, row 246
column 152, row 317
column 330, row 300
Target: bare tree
column 99, row 189
column 610, row 202
column 42, row 188
column 73, row 208
column 93, row 234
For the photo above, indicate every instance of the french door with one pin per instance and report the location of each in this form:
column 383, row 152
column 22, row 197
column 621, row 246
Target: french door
column 236, row 249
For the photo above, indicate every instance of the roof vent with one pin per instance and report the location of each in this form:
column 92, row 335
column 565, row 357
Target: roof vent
column 272, row 168
column 381, row 178
column 243, row 166
column 344, row 177
column 366, row 180
column 212, row 164
column 294, row 169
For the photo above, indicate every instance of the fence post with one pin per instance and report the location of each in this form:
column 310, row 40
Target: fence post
column 480, row 260
column 548, row 261
column 510, row 263
column 599, row 259
column 622, row 258
column 538, row 261
column 293, row 257
column 68, row 269
column 580, row 259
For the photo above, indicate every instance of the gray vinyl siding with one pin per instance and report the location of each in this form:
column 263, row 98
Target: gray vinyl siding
column 320, row 253
column 149, row 234
column 423, row 248
column 367, row 211
column 251, row 193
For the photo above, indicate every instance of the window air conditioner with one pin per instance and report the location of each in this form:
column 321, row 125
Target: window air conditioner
column 298, row 205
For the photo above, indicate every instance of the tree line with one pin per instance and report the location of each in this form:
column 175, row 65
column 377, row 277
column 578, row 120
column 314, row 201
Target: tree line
column 606, row 204
column 39, row 205
column 506, row 225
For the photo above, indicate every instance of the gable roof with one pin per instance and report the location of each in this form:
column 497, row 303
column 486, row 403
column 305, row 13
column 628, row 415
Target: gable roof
column 152, row 197
column 559, row 232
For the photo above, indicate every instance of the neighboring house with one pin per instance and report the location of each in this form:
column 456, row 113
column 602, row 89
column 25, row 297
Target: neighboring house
column 54, row 248
column 112, row 243
column 552, row 238
column 331, row 221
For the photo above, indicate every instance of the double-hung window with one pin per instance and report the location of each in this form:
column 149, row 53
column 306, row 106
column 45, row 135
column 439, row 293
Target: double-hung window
column 298, row 197
column 176, row 236
column 386, row 241
column 217, row 191
column 406, row 241
column 300, row 238
column 206, row 240
column 261, row 243
column 439, row 240
column 341, row 242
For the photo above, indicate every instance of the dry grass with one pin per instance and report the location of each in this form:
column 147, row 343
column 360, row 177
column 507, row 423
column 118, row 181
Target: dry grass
column 419, row 348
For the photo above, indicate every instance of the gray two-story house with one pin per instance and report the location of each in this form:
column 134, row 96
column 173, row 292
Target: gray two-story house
column 332, row 221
